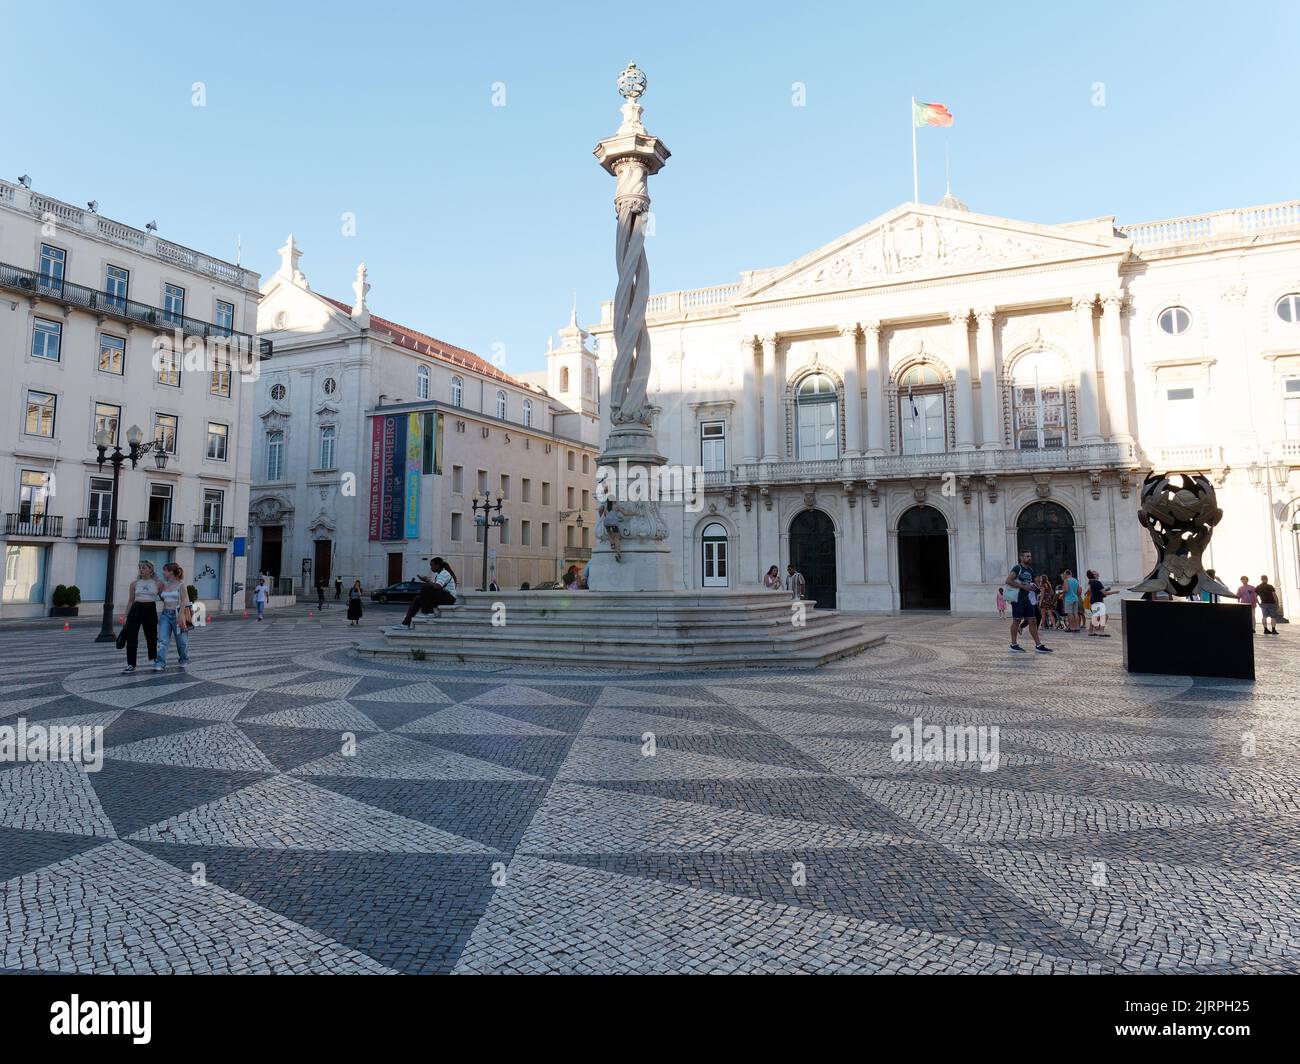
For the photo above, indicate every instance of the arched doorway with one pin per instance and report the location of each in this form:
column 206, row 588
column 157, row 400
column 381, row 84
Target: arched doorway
column 923, row 578
column 812, row 552
column 1047, row 530
column 713, row 558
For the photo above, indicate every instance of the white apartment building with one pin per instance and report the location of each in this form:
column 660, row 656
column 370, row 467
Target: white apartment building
column 84, row 303
column 372, row 440
column 898, row 411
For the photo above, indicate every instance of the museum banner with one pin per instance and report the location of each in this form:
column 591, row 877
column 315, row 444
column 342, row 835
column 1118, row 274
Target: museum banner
column 376, row 475
column 414, row 441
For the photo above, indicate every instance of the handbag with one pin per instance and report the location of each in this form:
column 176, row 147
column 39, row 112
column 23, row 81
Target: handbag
column 121, row 638
column 187, row 617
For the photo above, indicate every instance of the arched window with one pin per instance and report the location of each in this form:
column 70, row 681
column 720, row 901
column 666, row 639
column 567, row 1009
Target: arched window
column 1175, row 320
column 501, row 405
column 714, row 559
column 274, row 455
column 1288, row 308
column 1038, row 401
column 817, row 418
column 564, row 378
column 1046, row 530
column 528, row 412
column 327, row 437
column 422, row 382
column 921, row 411
column 457, row 391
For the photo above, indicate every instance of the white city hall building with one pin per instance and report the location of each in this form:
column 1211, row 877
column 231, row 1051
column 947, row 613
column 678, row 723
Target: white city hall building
column 898, row 411
column 83, row 302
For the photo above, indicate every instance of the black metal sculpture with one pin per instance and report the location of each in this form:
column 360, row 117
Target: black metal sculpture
column 1180, row 511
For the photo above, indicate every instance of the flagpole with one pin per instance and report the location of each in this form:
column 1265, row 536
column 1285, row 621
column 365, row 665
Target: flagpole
column 916, row 188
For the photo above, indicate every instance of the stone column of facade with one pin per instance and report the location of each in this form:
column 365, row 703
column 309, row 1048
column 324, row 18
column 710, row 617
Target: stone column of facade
column 990, row 421
column 875, row 388
column 852, row 393
column 1086, row 358
column 1112, row 360
column 750, row 451
column 771, row 402
column 965, row 413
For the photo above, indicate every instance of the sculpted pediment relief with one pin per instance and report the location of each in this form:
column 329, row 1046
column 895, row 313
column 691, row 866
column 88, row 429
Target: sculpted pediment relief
column 914, row 242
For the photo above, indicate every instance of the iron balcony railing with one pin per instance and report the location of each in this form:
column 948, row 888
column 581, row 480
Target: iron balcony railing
column 44, row 526
column 206, row 533
column 57, row 290
column 97, row 528
column 993, row 461
column 162, row 532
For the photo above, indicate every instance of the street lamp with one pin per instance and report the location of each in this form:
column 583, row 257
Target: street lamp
column 1266, row 474
column 490, row 516
column 135, row 451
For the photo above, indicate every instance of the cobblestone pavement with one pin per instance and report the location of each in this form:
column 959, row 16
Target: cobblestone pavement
column 501, row 819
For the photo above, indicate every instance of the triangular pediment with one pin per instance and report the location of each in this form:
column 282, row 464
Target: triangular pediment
column 289, row 311
column 917, row 241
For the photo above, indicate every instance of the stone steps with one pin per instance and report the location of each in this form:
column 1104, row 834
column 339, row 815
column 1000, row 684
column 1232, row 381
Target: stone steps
column 658, row 630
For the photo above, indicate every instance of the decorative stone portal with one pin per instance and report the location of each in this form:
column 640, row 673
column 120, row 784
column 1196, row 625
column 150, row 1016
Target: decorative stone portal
column 1047, row 530
column 923, row 575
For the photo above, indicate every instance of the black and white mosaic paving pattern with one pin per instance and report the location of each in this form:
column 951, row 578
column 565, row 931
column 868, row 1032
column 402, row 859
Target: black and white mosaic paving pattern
column 497, row 819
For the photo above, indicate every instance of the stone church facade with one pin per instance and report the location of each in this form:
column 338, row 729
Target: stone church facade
column 899, row 410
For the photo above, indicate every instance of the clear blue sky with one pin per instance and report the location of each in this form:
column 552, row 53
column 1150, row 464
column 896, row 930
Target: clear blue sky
column 477, row 222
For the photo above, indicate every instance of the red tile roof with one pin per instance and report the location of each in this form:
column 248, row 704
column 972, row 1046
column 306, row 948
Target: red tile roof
column 433, row 347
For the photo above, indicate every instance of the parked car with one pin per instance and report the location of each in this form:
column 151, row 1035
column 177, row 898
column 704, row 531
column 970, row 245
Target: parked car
column 549, row 585
column 404, row 591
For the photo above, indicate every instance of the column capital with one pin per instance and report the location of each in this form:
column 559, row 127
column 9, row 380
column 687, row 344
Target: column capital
column 871, row 325
column 985, row 315
column 1112, row 302
column 959, row 315
column 849, row 329
column 768, row 340
column 747, row 341
column 1083, row 302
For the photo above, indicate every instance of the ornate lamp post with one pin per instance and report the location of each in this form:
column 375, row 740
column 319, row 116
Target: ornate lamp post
column 632, row 536
column 486, row 520
column 1266, row 474
column 134, row 453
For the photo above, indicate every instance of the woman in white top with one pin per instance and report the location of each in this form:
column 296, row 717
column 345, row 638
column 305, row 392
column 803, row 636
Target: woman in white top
column 175, row 597
column 142, row 612
column 440, row 591
column 260, row 595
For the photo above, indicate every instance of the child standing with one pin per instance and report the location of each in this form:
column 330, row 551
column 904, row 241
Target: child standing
column 1002, row 604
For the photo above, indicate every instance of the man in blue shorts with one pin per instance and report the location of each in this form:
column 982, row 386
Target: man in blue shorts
column 1024, row 607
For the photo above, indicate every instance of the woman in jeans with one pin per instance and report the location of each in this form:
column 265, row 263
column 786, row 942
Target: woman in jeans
column 174, row 597
column 141, row 612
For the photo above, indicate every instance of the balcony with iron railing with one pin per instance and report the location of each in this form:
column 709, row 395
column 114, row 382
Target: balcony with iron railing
column 108, row 305
column 98, row 528
column 161, row 532
column 992, row 461
column 36, row 526
column 208, row 533
column 577, row 554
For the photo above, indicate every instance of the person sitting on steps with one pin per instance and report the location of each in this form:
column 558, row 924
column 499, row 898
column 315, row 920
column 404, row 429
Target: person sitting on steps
column 440, row 591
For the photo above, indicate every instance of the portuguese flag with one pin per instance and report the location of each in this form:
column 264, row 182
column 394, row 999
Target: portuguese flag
column 931, row 114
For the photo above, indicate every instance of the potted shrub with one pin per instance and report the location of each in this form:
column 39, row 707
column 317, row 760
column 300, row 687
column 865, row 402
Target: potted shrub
column 65, row 601
column 192, row 592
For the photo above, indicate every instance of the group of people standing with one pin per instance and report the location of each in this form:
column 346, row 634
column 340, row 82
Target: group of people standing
column 160, row 607
column 794, row 581
column 1066, row 605
column 355, row 596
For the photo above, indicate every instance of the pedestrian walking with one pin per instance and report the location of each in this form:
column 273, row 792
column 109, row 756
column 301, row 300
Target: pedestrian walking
column 354, row 603
column 1024, row 605
column 260, row 595
column 772, row 579
column 1097, row 593
column 174, row 620
column 1247, row 596
column 338, row 588
column 1070, row 601
column 320, row 595
column 1268, row 606
column 141, row 612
